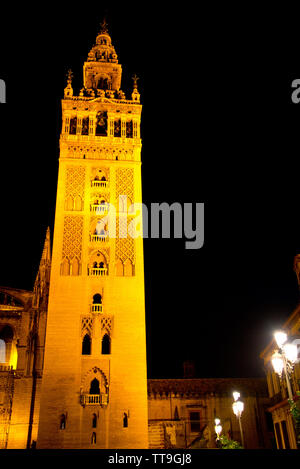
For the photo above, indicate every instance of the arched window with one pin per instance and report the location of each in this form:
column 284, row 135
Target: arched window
column 105, row 349
column 101, row 122
column 2, row 351
column 128, row 268
column 117, row 128
column 62, row 422
column 95, row 388
column 119, row 268
column 75, row 266
column 8, row 349
column 78, row 205
column 73, row 125
column 86, row 345
column 97, row 299
column 85, row 126
column 94, row 421
column 125, row 420
column 129, row 129
column 100, row 228
column 69, row 203
column 65, row 267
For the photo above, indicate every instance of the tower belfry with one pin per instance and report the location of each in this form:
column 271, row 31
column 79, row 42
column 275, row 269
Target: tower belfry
column 94, row 389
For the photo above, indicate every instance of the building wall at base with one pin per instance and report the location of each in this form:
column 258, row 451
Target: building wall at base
column 181, row 411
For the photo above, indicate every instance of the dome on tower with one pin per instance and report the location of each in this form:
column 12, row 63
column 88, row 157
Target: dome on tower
column 103, row 51
column 101, row 71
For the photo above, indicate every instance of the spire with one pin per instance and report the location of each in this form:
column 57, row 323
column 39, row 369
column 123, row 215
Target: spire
column 68, row 92
column 135, row 94
column 135, row 79
column 46, row 255
column 41, row 284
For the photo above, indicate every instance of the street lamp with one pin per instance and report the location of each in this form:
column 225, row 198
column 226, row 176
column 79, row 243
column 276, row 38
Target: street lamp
column 238, row 407
column 284, row 358
column 218, row 428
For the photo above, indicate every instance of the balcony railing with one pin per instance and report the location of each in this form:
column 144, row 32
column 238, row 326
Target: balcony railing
column 102, row 184
column 97, row 272
column 94, row 399
column 4, row 367
column 99, row 208
column 96, row 308
column 95, row 238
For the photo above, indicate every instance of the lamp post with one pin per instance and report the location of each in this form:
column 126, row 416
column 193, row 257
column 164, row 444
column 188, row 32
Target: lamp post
column 284, row 359
column 238, row 407
column 218, row 428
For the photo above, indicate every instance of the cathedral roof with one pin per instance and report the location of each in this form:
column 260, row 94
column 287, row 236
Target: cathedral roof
column 204, row 386
column 22, row 296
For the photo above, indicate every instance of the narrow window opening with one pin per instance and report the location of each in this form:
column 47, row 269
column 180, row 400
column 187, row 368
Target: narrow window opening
column 105, row 345
column 62, row 424
column 86, row 345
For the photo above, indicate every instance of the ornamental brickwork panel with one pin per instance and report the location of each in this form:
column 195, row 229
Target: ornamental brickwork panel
column 125, row 244
column 125, row 183
column 72, row 237
column 87, row 325
column 106, row 323
column 74, row 194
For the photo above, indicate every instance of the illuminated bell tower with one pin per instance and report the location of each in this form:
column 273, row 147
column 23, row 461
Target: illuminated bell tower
column 94, row 388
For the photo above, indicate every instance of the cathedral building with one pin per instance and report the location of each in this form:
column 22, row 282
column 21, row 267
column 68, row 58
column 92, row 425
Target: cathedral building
column 285, row 432
column 73, row 351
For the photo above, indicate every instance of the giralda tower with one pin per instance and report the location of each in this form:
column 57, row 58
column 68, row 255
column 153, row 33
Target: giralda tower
column 94, row 387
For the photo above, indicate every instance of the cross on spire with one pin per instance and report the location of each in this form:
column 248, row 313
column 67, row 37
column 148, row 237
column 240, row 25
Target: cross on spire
column 104, row 27
column 135, row 79
column 69, row 76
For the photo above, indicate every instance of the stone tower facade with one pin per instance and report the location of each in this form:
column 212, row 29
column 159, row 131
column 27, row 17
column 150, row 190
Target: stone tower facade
column 94, row 388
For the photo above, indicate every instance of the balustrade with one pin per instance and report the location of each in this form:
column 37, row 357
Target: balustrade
column 96, row 308
column 94, row 399
column 100, row 272
column 99, row 208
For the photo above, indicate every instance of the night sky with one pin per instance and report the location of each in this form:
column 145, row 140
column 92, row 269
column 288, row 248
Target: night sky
column 218, row 127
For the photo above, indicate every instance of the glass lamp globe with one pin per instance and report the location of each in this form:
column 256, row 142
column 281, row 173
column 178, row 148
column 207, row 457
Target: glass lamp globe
column 218, row 429
column 277, row 363
column 280, row 338
column 291, row 352
column 238, row 407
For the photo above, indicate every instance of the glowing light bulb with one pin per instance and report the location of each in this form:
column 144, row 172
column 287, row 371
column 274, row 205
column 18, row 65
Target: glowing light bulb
column 280, row 338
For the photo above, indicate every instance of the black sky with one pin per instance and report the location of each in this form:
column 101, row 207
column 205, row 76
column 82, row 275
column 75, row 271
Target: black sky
column 218, row 127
